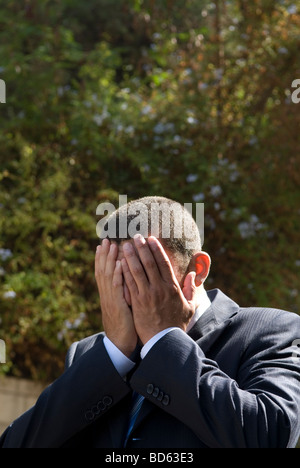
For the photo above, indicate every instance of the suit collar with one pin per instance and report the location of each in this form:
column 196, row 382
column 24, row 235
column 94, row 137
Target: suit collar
column 221, row 310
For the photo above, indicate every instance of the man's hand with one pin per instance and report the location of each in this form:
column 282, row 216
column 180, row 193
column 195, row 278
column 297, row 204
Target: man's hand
column 116, row 315
column 157, row 299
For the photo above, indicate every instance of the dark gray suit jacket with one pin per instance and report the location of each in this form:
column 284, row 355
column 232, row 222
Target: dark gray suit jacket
column 233, row 382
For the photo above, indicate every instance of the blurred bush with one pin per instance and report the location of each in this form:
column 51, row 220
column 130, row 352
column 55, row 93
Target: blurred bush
column 187, row 99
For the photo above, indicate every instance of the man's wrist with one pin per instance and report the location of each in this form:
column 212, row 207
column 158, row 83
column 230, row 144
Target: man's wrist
column 121, row 362
column 150, row 343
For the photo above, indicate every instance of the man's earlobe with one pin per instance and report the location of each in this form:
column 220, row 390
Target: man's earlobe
column 202, row 267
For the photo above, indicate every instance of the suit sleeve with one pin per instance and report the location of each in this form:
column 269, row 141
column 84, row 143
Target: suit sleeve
column 85, row 392
column 258, row 409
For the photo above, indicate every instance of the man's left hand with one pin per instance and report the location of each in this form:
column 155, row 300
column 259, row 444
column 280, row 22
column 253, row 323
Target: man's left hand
column 157, row 299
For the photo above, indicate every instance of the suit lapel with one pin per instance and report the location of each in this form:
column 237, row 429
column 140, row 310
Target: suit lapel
column 208, row 340
column 204, row 325
column 215, row 319
column 205, row 335
column 212, row 323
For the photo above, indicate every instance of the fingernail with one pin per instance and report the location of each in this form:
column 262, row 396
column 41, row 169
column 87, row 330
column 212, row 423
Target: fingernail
column 152, row 242
column 128, row 247
column 139, row 239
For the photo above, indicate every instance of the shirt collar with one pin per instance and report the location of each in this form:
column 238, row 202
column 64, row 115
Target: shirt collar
column 205, row 304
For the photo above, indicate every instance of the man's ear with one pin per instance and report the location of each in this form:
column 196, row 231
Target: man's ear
column 201, row 265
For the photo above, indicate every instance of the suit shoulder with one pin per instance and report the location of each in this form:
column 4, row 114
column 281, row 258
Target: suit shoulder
column 81, row 347
column 268, row 321
column 267, row 314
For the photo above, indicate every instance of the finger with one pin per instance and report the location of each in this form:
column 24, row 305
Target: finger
column 97, row 259
column 135, row 266
column 129, row 279
column 162, row 260
column 127, row 294
column 111, row 260
column 117, row 282
column 117, row 276
column 147, row 259
column 105, row 246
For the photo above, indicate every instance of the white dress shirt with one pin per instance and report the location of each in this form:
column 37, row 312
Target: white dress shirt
column 124, row 365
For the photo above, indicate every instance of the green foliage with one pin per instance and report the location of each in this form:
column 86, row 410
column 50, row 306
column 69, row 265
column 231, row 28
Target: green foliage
column 186, row 99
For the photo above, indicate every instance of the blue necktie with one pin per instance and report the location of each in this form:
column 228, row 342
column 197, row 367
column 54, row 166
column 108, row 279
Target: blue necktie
column 136, row 404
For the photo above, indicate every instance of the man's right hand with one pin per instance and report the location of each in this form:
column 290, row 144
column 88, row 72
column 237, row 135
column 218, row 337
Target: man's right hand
column 117, row 317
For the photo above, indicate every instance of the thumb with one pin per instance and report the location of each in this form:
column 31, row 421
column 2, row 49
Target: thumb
column 189, row 287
